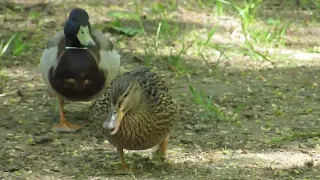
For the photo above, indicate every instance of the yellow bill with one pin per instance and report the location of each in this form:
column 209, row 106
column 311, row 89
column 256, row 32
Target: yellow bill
column 84, row 36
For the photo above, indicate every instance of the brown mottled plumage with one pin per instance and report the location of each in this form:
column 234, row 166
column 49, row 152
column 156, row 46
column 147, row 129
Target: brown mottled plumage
column 149, row 112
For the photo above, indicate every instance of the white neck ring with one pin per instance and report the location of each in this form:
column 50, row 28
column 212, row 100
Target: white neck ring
column 69, row 47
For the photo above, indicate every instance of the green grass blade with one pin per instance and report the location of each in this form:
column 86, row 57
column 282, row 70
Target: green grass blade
column 6, row 46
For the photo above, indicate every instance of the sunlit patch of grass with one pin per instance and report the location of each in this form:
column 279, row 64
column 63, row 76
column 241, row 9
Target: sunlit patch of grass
column 202, row 44
column 218, row 5
column 250, row 50
column 247, row 15
column 256, row 35
column 168, row 31
column 164, row 40
column 272, row 36
column 314, row 49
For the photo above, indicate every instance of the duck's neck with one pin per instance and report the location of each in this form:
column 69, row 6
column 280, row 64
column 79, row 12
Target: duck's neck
column 74, row 44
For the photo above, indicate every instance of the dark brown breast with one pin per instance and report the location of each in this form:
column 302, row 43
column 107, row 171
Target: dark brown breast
column 77, row 76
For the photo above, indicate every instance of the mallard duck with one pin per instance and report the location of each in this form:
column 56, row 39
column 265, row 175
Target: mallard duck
column 137, row 112
column 78, row 63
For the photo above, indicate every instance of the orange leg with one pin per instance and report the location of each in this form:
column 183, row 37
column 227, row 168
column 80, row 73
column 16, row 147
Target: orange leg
column 161, row 153
column 64, row 125
column 124, row 168
column 123, row 163
column 163, row 147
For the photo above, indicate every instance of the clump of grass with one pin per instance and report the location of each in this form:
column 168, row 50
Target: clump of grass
column 4, row 46
column 294, row 136
column 248, row 13
column 151, row 46
column 248, row 17
column 117, row 25
column 19, row 45
column 218, row 5
column 226, row 151
column 201, row 45
column 166, row 33
column 212, row 109
column 175, row 59
column 34, row 15
column 273, row 36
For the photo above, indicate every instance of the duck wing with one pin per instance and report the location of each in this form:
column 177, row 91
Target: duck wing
column 55, row 40
column 104, row 42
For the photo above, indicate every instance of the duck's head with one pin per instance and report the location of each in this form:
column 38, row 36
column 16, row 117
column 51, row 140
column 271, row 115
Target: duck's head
column 77, row 28
column 125, row 95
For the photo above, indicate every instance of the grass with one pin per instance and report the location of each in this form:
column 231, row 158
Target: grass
column 167, row 33
column 20, row 45
column 294, row 136
column 211, row 108
column 247, row 13
column 225, row 125
column 117, row 25
column 258, row 35
column 271, row 34
column 4, row 46
column 226, row 151
column 16, row 45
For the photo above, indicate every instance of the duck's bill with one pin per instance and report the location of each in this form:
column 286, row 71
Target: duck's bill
column 110, row 122
column 113, row 122
column 84, row 37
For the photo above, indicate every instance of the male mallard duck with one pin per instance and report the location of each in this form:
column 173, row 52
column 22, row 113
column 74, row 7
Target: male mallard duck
column 138, row 112
column 77, row 64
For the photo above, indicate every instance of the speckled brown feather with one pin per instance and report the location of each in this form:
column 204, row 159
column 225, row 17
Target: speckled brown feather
column 148, row 124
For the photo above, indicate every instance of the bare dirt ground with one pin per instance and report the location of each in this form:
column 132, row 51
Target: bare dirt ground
column 274, row 136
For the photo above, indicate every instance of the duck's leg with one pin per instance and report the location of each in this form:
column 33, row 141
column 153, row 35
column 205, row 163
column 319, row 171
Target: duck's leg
column 64, row 125
column 161, row 153
column 124, row 168
column 123, row 163
column 164, row 147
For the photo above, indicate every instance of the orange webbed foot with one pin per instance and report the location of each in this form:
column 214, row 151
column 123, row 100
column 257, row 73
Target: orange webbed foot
column 66, row 127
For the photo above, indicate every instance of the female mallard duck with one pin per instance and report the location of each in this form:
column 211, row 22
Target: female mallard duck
column 138, row 112
column 77, row 64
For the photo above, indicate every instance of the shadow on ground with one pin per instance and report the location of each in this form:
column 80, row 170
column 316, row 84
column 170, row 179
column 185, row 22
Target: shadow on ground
column 277, row 119
column 278, row 104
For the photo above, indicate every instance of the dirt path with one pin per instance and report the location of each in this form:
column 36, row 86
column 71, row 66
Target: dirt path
column 272, row 132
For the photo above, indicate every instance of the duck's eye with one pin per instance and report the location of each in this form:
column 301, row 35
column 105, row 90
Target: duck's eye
column 114, row 112
column 82, row 32
column 126, row 95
